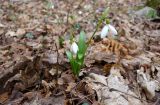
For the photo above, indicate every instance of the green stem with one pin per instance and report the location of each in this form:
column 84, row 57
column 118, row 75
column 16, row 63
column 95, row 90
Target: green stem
column 99, row 23
column 103, row 17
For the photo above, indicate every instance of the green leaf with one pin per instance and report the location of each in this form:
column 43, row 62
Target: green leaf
column 69, row 55
column 105, row 13
column 85, row 104
column 82, row 44
column 82, row 36
column 79, row 63
column 80, row 56
column 74, row 67
column 78, row 67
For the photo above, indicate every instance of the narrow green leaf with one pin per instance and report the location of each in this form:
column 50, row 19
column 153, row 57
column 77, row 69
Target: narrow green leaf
column 74, row 67
column 80, row 56
column 72, row 61
column 105, row 13
column 82, row 44
column 69, row 55
column 78, row 67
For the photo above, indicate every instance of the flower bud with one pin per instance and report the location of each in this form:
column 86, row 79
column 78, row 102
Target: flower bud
column 74, row 48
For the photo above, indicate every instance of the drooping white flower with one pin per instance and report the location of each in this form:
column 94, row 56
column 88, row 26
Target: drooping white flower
column 74, row 48
column 108, row 30
column 104, row 31
column 112, row 30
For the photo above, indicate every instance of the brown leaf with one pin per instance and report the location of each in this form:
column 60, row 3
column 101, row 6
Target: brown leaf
column 10, row 72
column 155, row 48
column 4, row 97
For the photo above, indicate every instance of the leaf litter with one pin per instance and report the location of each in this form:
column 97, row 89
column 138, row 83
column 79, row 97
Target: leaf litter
column 120, row 71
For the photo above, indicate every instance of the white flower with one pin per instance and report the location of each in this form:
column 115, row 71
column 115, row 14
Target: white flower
column 108, row 30
column 74, row 48
column 104, row 31
column 112, row 30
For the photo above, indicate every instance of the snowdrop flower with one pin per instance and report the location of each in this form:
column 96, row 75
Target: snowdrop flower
column 104, row 31
column 74, row 48
column 108, row 30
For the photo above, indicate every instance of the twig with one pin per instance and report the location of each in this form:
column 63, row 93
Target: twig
column 68, row 10
column 73, row 89
column 57, row 69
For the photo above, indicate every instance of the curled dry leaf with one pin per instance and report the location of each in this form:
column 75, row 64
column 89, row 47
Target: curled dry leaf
column 143, row 59
column 114, row 81
column 115, row 47
column 12, row 79
column 12, row 71
column 108, row 50
column 47, row 87
column 70, row 86
column 99, row 78
column 97, row 55
column 149, row 86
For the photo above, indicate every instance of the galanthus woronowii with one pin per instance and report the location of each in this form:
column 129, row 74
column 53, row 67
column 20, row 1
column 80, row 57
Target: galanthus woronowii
column 108, row 30
column 74, row 48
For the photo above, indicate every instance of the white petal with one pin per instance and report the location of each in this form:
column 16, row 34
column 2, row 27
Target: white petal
column 104, row 31
column 74, row 48
column 112, row 30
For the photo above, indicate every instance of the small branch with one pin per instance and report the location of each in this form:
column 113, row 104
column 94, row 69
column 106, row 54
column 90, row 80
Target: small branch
column 68, row 10
column 57, row 69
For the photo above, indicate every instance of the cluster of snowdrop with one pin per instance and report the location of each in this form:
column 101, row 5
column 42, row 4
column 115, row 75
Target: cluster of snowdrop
column 106, row 31
column 76, row 55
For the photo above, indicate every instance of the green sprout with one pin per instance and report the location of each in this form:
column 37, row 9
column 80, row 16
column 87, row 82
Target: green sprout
column 77, row 54
column 78, row 60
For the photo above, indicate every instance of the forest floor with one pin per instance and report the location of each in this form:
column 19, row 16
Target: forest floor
column 34, row 69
